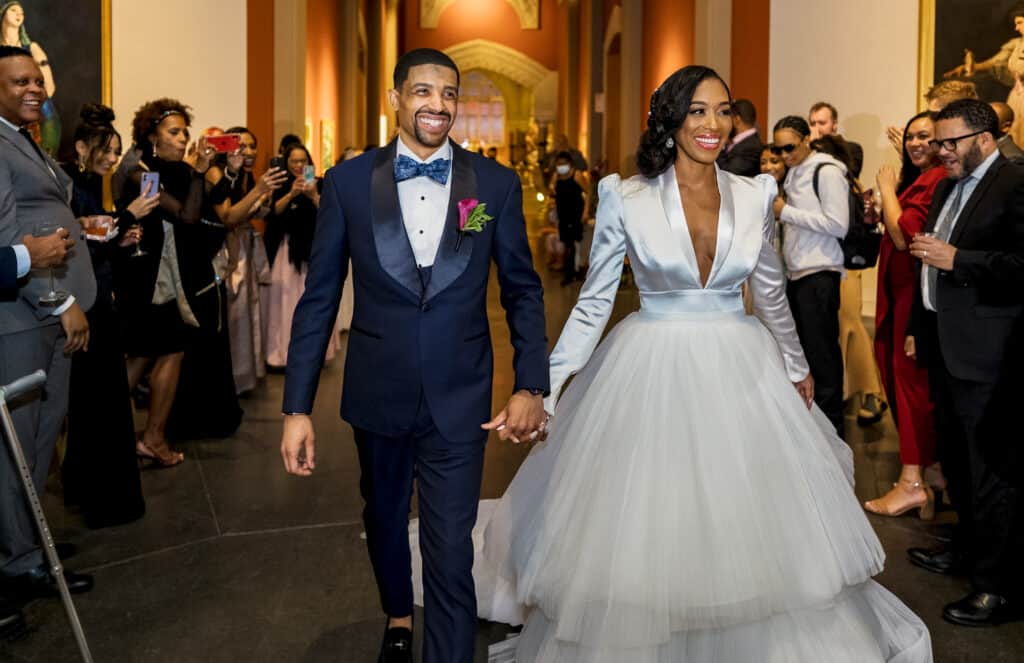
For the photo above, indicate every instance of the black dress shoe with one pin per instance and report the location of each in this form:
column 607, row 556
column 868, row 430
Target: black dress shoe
column 939, row 560
column 39, row 583
column 978, row 609
column 397, row 646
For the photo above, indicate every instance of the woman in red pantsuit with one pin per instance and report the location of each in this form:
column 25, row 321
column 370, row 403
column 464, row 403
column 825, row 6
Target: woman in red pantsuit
column 905, row 210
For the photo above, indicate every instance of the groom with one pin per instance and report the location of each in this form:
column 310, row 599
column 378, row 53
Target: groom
column 421, row 220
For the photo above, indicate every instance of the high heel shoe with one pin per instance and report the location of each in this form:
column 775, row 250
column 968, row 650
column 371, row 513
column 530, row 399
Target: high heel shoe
column 161, row 457
column 926, row 508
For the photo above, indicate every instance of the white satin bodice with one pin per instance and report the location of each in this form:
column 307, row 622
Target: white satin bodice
column 643, row 218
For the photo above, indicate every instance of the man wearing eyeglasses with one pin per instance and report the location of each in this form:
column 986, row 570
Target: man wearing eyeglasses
column 966, row 328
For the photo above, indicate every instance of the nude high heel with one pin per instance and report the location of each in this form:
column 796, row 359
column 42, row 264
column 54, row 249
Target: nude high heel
column 926, row 508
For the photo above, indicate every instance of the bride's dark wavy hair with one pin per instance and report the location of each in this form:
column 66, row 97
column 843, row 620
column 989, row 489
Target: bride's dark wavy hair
column 669, row 105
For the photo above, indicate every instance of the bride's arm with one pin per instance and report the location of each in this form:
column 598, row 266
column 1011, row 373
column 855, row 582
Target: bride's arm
column 768, row 287
column 589, row 317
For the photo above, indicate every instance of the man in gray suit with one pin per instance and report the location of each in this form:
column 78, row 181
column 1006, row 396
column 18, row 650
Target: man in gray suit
column 33, row 191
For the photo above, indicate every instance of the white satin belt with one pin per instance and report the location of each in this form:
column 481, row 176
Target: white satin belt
column 685, row 303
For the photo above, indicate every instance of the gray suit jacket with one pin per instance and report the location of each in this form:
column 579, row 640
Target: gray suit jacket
column 30, row 194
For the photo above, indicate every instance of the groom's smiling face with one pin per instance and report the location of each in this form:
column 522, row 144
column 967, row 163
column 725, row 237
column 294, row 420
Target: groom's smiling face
column 426, row 104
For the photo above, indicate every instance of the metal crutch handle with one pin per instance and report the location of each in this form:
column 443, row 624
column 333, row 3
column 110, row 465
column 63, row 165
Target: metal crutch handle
column 21, row 385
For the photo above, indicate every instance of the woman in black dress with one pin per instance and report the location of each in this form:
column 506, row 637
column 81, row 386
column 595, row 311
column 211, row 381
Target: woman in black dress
column 99, row 472
column 165, row 291
column 568, row 187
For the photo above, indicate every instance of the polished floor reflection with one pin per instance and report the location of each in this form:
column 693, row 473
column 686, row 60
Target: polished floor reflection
column 237, row 561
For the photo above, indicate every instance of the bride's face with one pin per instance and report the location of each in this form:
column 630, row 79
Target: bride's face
column 707, row 125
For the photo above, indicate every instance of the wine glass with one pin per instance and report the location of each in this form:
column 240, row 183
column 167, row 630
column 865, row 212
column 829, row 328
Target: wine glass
column 138, row 245
column 54, row 297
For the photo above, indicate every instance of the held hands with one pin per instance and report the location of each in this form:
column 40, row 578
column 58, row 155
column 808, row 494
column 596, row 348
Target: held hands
column 50, row 250
column 805, row 388
column 933, row 251
column 298, row 445
column 76, row 328
column 522, row 420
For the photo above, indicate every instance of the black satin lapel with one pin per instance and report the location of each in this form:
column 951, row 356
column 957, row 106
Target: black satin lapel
column 389, row 236
column 449, row 263
column 972, row 203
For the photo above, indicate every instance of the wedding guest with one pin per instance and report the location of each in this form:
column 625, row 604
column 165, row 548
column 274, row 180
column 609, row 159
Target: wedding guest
column 160, row 287
column 772, row 164
column 569, row 186
column 1007, row 147
column 854, row 342
column 936, row 98
column 823, row 118
column 244, row 199
column 742, row 154
column 289, row 240
column 967, row 325
column 906, row 200
column 100, row 473
column 813, row 224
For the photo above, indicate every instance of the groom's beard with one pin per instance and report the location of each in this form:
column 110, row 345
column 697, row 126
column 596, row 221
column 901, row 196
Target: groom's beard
column 427, row 139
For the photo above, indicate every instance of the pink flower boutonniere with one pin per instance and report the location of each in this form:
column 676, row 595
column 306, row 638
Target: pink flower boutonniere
column 473, row 217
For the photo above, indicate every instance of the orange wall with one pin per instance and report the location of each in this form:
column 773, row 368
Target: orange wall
column 668, row 41
column 494, row 20
column 583, row 93
column 259, row 77
column 750, row 40
column 322, row 75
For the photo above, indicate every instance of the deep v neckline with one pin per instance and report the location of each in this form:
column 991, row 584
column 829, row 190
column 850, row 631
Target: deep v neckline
column 672, row 204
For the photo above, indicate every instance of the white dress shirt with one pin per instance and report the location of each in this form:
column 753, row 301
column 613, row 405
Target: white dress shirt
column 968, row 183
column 23, row 254
column 424, row 205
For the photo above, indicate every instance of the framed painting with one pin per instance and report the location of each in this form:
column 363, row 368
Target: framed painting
column 327, row 131
column 70, row 40
column 971, row 40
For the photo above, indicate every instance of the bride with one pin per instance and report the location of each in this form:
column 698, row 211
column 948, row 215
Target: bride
column 689, row 504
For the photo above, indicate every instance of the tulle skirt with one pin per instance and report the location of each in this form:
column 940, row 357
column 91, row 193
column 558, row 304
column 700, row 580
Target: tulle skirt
column 688, row 506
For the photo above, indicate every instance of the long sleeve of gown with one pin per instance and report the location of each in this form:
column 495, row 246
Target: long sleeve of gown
column 586, row 323
column 768, row 287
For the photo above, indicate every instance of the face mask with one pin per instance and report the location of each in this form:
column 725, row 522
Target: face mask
column 563, row 169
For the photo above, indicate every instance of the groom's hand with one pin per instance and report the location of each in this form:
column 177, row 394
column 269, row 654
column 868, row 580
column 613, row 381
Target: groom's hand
column 298, row 448
column 522, row 420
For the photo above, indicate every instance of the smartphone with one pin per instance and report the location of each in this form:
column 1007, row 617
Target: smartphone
column 309, row 174
column 279, row 162
column 154, row 177
column 225, row 142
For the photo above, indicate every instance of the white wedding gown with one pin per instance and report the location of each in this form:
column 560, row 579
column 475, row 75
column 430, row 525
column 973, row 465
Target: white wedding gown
column 687, row 506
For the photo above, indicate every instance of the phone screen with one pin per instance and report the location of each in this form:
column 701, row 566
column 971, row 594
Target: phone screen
column 154, row 177
column 309, row 174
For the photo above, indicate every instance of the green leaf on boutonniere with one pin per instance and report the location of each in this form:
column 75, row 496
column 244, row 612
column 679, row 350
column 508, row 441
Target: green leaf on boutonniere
column 478, row 218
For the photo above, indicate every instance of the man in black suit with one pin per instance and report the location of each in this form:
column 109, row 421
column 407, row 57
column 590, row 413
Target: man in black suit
column 966, row 325
column 742, row 156
column 823, row 119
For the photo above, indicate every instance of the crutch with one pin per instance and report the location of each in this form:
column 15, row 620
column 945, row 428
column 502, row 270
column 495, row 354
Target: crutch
column 21, row 385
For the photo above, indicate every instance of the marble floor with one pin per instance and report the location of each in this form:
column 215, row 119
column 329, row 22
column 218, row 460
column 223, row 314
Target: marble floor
column 235, row 560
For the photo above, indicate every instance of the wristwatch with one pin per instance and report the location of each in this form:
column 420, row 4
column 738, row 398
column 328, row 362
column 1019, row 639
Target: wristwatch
column 536, row 392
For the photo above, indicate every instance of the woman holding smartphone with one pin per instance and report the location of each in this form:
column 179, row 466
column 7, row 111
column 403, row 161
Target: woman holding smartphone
column 165, row 287
column 99, row 472
column 238, row 198
column 289, row 238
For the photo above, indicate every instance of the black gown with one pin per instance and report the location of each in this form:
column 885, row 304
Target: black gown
column 100, row 473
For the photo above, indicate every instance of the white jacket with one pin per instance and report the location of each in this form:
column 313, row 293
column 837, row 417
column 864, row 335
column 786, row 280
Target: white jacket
column 814, row 227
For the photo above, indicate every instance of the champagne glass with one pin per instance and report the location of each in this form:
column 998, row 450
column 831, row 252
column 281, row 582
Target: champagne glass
column 54, row 297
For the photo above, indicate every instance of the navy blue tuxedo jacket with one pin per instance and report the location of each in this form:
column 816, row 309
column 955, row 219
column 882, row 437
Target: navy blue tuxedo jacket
column 408, row 342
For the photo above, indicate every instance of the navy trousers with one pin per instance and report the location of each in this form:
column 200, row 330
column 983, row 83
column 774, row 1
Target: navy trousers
column 447, row 476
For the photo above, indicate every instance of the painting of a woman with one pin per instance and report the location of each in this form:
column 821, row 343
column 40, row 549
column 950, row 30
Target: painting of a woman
column 1006, row 66
column 13, row 33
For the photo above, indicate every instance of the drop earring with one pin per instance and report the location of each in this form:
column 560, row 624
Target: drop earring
column 670, row 143
column 81, row 165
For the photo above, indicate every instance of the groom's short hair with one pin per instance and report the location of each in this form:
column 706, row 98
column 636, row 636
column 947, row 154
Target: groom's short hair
column 422, row 56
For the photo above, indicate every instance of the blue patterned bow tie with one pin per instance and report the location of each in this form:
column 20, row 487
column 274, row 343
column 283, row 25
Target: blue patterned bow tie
column 407, row 168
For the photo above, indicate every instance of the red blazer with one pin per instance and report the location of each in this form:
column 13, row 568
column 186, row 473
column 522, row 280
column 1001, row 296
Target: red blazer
column 896, row 268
